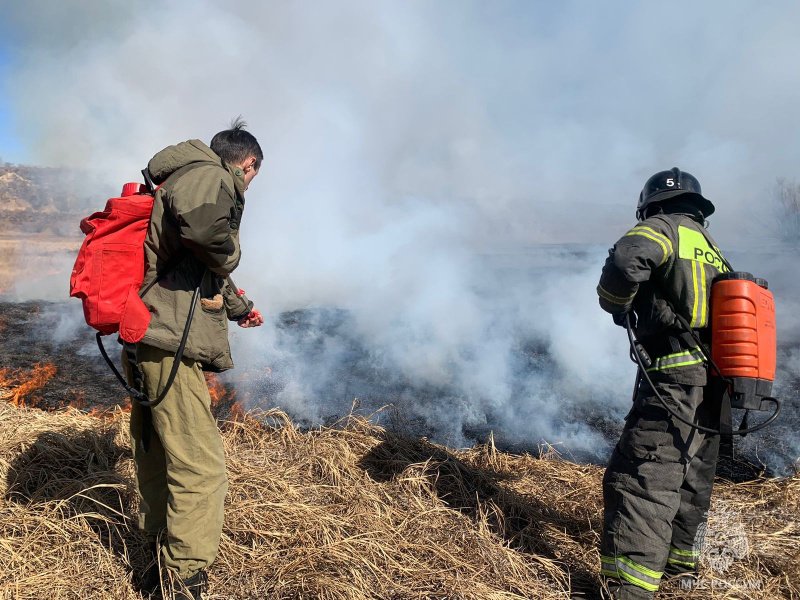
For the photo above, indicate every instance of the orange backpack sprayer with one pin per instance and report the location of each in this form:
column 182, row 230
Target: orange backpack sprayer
column 743, row 340
column 743, row 351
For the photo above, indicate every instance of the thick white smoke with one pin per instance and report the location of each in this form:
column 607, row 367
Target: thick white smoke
column 420, row 157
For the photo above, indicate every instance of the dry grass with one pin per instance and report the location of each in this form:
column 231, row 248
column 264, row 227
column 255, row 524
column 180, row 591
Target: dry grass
column 350, row 513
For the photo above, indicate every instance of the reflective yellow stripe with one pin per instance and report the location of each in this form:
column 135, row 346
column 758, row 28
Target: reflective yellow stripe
column 678, row 359
column 703, row 296
column 684, row 558
column 679, row 552
column 603, row 293
column 608, row 573
column 608, row 567
column 649, row 237
column 622, row 567
column 695, row 319
column 640, row 568
column 651, row 234
column 683, row 563
column 681, row 364
column 631, row 578
column 657, row 234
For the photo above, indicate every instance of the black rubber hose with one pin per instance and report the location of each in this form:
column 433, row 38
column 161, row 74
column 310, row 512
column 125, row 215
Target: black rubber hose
column 643, row 371
column 178, row 355
column 137, row 395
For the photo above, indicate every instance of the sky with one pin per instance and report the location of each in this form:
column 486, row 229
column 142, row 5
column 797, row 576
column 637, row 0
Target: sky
column 413, row 147
column 11, row 146
column 494, row 104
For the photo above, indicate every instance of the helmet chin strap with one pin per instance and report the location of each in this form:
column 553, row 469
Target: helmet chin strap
column 653, row 209
column 665, row 208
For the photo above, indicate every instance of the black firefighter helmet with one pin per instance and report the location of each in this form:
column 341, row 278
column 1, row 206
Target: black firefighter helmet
column 666, row 185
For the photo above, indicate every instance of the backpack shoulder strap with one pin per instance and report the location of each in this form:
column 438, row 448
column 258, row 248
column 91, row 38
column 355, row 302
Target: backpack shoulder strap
column 152, row 189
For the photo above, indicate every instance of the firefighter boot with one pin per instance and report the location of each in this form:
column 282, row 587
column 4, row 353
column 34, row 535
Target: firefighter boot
column 193, row 587
column 149, row 584
column 685, row 575
column 621, row 590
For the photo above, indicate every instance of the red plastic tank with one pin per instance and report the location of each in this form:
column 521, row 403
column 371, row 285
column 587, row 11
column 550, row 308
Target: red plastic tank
column 743, row 339
column 110, row 265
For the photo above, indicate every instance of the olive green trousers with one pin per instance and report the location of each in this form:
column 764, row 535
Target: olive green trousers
column 180, row 475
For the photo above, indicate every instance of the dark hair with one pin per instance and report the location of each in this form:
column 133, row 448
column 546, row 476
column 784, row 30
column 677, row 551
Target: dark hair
column 235, row 145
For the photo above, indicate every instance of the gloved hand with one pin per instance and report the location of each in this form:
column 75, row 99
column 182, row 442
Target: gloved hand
column 619, row 319
column 253, row 319
column 663, row 314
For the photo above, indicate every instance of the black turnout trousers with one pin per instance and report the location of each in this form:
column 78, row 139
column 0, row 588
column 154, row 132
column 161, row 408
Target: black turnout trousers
column 657, row 488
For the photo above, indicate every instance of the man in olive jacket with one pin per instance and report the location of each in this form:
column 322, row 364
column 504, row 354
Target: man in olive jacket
column 193, row 240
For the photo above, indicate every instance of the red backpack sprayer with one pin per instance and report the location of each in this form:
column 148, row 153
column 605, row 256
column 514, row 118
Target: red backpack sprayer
column 109, row 272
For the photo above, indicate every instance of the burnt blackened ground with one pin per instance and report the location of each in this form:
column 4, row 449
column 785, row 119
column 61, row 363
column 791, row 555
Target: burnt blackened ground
column 34, row 333
column 343, row 369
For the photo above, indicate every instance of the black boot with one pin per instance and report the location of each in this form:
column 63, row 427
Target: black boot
column 624, row 591
column 687, row 579
column 149, row 583
column 686, row 576
column 193, row 587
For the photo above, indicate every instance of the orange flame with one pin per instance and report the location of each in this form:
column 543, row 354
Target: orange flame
column 224, row 397
column 17, row 387
column 216, row 390
column 79, row 400
column 237, row 412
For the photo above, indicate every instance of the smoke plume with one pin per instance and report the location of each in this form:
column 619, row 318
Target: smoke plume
column 441, row 180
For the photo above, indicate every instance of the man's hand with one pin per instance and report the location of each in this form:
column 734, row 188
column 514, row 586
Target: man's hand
column 253, row 319
column 619, row 319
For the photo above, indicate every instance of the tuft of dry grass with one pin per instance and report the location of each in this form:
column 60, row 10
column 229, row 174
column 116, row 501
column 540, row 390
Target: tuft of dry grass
column 353, row 512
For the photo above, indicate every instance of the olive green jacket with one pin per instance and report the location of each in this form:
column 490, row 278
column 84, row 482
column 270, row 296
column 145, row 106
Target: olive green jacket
column 193, row 239
column 663, row 265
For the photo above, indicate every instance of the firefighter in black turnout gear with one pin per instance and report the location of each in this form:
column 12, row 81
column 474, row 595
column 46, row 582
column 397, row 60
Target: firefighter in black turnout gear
column 657, row 487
